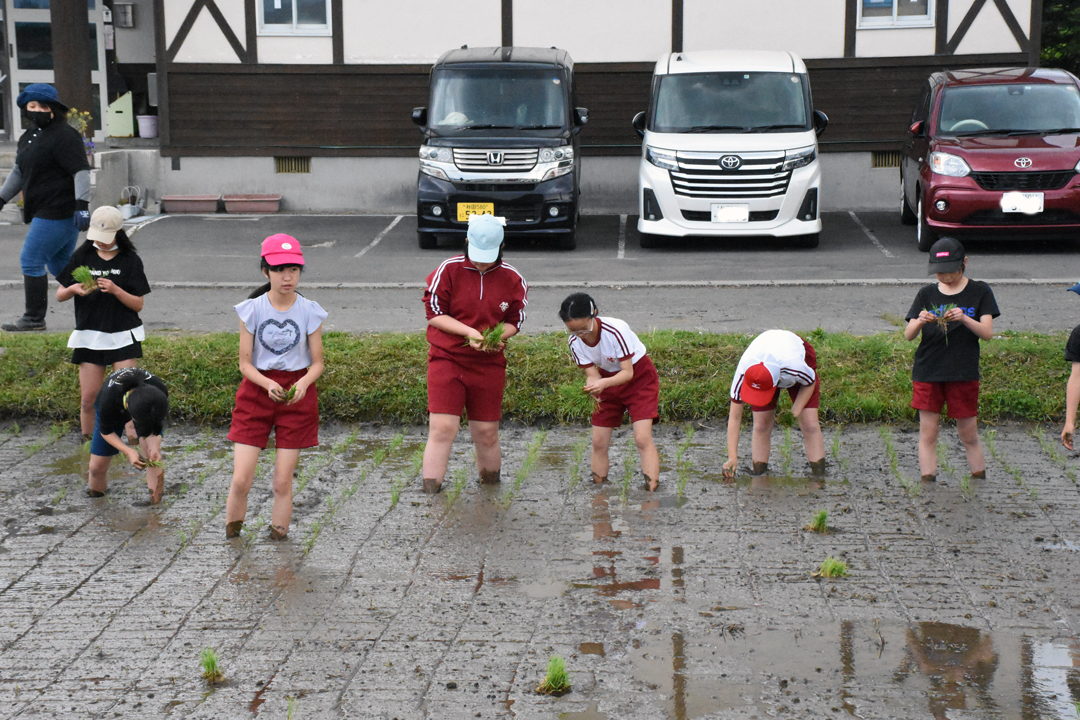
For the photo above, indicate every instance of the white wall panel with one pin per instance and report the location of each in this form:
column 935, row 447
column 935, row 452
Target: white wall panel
column 233, row 10
column 899, row 42
column 809, row 29
column 206, row 43
column 175, row 12
column 417, row 31
column 988, row 34
column 596, row 30
column 1022, row 10
column 296, row 50
column 957, row 10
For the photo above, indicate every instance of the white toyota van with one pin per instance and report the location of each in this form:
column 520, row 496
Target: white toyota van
column 730, row 148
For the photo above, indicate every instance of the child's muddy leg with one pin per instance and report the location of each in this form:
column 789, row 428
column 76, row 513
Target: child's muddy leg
column 928, row 440
column 601, row 443
column 968, row 430
column 761, row 437
column 245, row 457
column 284, row 467
column 98, row 481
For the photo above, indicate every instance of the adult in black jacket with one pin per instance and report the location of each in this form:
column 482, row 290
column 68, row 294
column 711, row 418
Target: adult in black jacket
column 53, row 174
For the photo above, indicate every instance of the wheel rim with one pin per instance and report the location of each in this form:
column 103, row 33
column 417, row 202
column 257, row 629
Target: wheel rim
column 903, row 199
column 919, row 220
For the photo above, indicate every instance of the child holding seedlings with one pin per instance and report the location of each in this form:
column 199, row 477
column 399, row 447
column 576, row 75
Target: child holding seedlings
column 775, row 360
column 129, row 395
column 1072, row 387
column 281, row 357
column 951, row 315
column 108, row 299
column 620, row 376
column 466, row 297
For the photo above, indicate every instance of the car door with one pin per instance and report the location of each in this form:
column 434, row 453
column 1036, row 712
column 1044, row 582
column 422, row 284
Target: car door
column 915, row 145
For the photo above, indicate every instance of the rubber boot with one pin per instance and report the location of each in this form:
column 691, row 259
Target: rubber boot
column 36, row 290
column 233, row 529
column 490, row 477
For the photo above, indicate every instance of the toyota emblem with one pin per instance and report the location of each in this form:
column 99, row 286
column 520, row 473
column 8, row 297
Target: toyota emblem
column 730, row 162
column 1024, row 162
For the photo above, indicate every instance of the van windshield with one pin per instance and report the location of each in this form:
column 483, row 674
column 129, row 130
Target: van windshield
column 1009, row 109
column 511, row 97
column 731, row 102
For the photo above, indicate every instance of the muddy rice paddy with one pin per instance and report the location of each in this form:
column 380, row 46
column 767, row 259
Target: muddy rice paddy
column 700, row 601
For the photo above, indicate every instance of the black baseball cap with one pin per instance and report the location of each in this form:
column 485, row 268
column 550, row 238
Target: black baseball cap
column 946, row 256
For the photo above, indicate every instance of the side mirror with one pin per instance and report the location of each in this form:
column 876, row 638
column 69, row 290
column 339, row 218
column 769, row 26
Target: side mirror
column 821, row 121
column 917, row 128
column 419, row 116
column 639, row 124
column 581, row 116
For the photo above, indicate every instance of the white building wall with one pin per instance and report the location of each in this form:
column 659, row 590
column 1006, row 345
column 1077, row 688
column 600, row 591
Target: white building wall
column 895, row 42
column 175, row 12
column 988, row 34
column 296, row 50
column 206, row 43
column 596, row 30
column 765, row 25
column 375, row 33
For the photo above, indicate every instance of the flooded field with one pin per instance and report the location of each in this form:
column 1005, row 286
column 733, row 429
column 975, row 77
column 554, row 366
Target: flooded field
column 703, row 600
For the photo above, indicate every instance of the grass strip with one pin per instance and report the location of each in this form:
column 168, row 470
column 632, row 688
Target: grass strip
column 381, row 377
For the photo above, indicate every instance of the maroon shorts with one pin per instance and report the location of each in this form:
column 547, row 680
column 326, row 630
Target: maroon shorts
column 793, row 391
column 640, row 397
column 255, row 415
column 962, row 397
column 475, row 388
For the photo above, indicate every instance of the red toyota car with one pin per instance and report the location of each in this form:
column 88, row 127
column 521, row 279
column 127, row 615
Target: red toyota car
column 994, row 153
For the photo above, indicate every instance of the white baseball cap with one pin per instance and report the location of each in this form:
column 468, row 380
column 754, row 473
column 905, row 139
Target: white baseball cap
column 104, row 224
column 485, row 237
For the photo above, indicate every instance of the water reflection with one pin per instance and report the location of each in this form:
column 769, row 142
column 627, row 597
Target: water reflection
column 958, row 661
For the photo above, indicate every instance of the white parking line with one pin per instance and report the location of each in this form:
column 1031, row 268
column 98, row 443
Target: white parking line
column 869, row 234
column 622, row 238
column 380, row 236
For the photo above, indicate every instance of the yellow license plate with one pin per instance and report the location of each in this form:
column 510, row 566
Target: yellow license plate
column 464, row 210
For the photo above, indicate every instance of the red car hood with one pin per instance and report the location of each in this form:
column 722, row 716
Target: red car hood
column 997, row 153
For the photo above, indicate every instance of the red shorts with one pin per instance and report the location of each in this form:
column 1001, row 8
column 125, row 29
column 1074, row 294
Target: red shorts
column 475, row 388
column 962, row 397
column 793, row 391
column 255, row 415
column 640, row 397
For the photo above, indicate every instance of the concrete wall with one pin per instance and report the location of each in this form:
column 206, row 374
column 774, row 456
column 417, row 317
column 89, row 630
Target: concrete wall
column 388, row 185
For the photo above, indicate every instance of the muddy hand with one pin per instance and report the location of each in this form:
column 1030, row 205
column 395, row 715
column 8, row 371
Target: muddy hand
column 729, row 468
column 1067, row 439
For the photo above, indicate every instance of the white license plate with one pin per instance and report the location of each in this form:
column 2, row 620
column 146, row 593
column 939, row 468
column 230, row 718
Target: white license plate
column 730, row 213
column 1022, row 202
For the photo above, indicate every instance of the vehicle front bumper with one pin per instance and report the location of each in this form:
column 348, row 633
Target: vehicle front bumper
column 973, row 210
column 526, row 206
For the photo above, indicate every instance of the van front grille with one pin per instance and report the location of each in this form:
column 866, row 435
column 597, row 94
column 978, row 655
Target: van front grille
column 1053, row 180
column 503, row 160
column 706, row 175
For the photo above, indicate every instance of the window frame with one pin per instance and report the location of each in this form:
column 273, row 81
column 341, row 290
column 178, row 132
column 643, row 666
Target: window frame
column 898, row 21
column 294, row 30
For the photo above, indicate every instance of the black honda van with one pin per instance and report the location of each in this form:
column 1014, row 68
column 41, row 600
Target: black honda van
column 500, row 138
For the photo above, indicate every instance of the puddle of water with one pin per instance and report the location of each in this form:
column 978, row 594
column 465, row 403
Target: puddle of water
column 77, row 464
column 591, row 648
column 590, row 713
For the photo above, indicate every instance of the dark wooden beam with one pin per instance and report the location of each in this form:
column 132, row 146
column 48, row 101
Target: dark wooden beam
column 227, row 31
column 851, row 23
column 965, row 25
column 507, row 23
column 251, row 30
column 941, row 27
column 185, row 28
column 676, row 26
column 338, row 25
column 1014, row 25
column 160, row 55
column 1035, row 42
column 71, row 54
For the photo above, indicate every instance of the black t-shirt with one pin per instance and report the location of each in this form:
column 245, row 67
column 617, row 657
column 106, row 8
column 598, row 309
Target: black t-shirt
column 101, row 311
column 958, row 359
column 48, row 160
column 1072, row 347
column 110, row 399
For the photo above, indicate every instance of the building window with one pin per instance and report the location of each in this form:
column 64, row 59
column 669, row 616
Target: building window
column 896, row 13
column 34, row 51
column 294, row 17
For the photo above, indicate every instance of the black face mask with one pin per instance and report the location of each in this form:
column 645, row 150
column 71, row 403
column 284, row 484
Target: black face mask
column 41, row 119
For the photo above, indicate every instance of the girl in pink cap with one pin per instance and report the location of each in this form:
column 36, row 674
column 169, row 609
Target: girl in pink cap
column 281, row 357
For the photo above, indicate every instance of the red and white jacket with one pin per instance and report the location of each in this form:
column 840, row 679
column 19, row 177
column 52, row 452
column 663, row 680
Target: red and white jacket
column 479, row 300
column 617, row 343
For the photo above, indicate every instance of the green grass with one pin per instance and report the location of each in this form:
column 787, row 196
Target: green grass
column 831, row 568
column 211, row 671
column 557, row 680
column 820, row 522
column 380, row 377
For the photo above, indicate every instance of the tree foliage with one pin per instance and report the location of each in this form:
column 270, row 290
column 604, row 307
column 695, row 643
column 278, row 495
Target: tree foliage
column 1061, row 34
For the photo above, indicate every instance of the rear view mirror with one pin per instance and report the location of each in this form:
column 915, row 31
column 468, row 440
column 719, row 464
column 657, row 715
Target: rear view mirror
column 639, row 124
column 419, row 116
column 821, row 121
column 581, row 116
column 916, row 128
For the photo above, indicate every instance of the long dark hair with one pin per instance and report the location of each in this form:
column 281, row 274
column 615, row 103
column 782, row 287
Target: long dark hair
column 266, row 268
column 577, row 307
column 123, row 245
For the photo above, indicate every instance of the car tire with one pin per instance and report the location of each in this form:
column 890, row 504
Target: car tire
column 808, row 241
column 568, row 241
column 925, row 235
column 907, row 217
column 648, row 240
column 427, row 241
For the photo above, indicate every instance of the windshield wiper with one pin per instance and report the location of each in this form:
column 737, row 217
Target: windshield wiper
column 712, row 128
column 767, row 128
column 1005, row 131
column 537, row 127
column 487, row 127
column 1052, row 131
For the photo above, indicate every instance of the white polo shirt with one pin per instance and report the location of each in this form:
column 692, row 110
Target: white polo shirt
column 783, row 354
column 617, row 342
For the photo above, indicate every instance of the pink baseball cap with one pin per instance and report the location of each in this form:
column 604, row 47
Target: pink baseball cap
column 758, row 386
column 282, row 249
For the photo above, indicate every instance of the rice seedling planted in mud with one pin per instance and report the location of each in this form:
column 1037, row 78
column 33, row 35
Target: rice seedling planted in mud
column 461, row 476
column 1051, row 448
column 577, row 456
column 557, row 680
column 84, row 277
column 990, row 440
column 532, row 454
column 910, row 488
column 682, row 465
column 628, row 469
column 820, row 522
column 785, row 452
column 211, row 671
column 943, row 458
column 842, row 461
column 831, row 567
column 292, row 702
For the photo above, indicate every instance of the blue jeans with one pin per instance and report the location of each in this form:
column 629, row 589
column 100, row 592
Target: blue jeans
column 50, row 244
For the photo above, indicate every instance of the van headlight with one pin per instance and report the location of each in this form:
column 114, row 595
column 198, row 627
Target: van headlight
column 662, row 158
column 948, row 165
column 439, row 154
column 564, row 168
column 800, row 158
column 556, row 154
column 429, row 168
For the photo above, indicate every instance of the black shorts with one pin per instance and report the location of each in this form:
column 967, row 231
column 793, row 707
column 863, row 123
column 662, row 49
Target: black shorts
column 106, row 357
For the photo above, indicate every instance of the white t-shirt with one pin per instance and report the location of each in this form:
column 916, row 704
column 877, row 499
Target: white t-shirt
column 280, row 337
column 784, row 356
column 617, row 342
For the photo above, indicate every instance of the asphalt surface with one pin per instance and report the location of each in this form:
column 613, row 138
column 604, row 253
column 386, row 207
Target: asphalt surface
column 368, row 272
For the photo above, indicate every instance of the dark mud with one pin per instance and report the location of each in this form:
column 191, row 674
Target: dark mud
column 963, row 599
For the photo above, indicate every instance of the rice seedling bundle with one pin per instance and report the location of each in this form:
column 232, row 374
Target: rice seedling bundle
column 83, row 276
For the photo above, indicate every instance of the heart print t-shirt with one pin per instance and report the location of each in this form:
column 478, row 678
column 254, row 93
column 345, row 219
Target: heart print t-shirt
column 280, row 337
